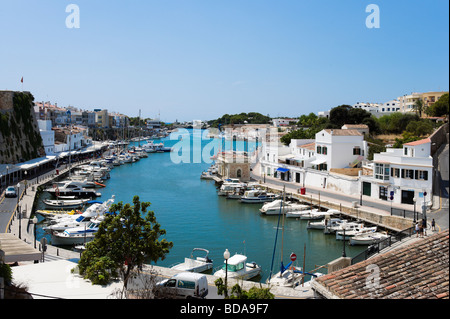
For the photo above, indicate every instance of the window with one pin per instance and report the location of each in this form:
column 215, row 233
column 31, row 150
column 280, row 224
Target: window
column 383, row 192
column 405, row 151
column 186, row 284
column 319, row 149
column 239, row 173
column 422, row 175
column 356, row 150
column 324, row 150
column 382, row 171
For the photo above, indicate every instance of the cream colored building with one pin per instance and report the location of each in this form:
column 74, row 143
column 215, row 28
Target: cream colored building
column 431, row 97
column 233, row 165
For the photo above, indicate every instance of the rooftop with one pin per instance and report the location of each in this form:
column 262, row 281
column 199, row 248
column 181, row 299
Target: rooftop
column 416, row 271
column 420, row 142
column 340, row 132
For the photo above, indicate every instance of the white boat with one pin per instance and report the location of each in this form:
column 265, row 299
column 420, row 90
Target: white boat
column 64, row 204
column 63, row 222
column 273, row 208
column 355, row 231
column 340, row 226
column 199, row 264
column 313, row 215
column 238, row 268
column 72, row 188
column 77, row 235
column 327, row 222
column 228, row 188
column 368, row 238
column 287, row 278
column 258, row 196
column 300, row 213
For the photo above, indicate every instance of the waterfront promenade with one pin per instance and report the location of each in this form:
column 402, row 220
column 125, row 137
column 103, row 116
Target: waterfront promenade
column 352, row 202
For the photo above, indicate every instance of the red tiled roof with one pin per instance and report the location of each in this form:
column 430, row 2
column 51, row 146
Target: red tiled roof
column 426, row 140
column 417, row 271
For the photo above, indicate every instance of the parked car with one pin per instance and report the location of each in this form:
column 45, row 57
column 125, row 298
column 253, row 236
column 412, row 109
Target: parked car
column 10, row 192
column 183, row 285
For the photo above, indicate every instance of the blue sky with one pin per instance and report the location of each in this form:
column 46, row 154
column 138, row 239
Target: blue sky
column 199, row 59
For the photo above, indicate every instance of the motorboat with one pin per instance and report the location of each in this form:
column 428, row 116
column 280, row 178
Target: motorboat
column 238, row 268
column 314, row 215
column 77, row 235
column 52, row 213
column 227, row 188
column 65, row 204
column 63, row 222
column 273, row 208
column 72, row 188
column 368, row 238
column 258, row 196
column 355, row 231
column 327, row 222
column 300, row 213
column 198, row 264
column 340, row 226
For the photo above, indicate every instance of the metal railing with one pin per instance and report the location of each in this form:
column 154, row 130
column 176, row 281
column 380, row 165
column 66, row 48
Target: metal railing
column 379, row 246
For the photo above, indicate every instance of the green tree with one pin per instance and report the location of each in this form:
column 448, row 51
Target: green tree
column 439, row 108
column 124, row 241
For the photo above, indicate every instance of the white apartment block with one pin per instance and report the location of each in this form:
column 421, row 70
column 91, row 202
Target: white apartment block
column 406, row 174
column 47, row 135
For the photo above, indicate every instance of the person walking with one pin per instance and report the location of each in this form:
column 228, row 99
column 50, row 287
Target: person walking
column 417, row 229
column 433, row 225
column 424, row 226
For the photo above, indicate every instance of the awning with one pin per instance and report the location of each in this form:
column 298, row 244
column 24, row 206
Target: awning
column 282, row 170
column 318, row 162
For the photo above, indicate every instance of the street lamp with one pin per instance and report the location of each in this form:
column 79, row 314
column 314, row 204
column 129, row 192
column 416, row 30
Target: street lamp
column 226, row 256
column 344, row 226
column 414, row 200
column 35, row 221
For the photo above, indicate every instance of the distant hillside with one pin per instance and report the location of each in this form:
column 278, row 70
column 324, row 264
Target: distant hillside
column 20, row 139
column 243, row 118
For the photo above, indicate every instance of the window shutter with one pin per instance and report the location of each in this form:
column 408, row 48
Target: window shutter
column 416, row 174
column 403, row 173
column 425, row 175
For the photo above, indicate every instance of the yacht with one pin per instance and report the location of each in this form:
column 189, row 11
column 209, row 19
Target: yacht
column 273, row 208
column 198, row 264
column 258, row 196
column 368, row 238
column 300, row 213
column 72, row 188
column 327, row 222
column 77, row 235
column 287, row 276
column 361, row 229
column 63, row 222
column 228, row 188
column 238, row 268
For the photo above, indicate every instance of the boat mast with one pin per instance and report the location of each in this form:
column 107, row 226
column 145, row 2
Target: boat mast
column 283, row 205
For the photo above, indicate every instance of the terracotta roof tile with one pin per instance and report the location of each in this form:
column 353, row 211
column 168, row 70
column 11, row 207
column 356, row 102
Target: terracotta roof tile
column 418, row 270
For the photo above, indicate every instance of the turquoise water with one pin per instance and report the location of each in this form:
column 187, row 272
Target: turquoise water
column 195, row 217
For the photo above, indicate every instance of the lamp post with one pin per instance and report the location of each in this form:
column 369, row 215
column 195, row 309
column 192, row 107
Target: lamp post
column 226, row 256
column 343, row 242
column 35, row 221
column 414, row 200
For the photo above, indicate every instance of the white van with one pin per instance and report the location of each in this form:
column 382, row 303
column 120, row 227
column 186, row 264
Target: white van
column 183, row 285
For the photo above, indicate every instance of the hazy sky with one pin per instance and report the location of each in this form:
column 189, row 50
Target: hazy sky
column 200, row 59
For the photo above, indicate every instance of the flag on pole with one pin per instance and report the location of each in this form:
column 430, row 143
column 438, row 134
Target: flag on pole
column 21, row 80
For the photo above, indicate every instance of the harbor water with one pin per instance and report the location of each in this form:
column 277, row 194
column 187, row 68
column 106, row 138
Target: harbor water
column 194, row 216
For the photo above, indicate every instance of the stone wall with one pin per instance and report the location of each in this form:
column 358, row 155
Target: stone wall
column 20, row 140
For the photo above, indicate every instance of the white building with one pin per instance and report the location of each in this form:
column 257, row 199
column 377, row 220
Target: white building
column 47, row 135
column 339, row 148
column 407, row 102
column 283, row 122
column 369, row 107
column 406, row 174
column 390, row 107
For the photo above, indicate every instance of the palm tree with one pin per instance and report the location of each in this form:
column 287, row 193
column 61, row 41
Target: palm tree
column 419, row 107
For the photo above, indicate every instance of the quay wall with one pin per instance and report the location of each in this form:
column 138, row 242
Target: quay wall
column 384, row 219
